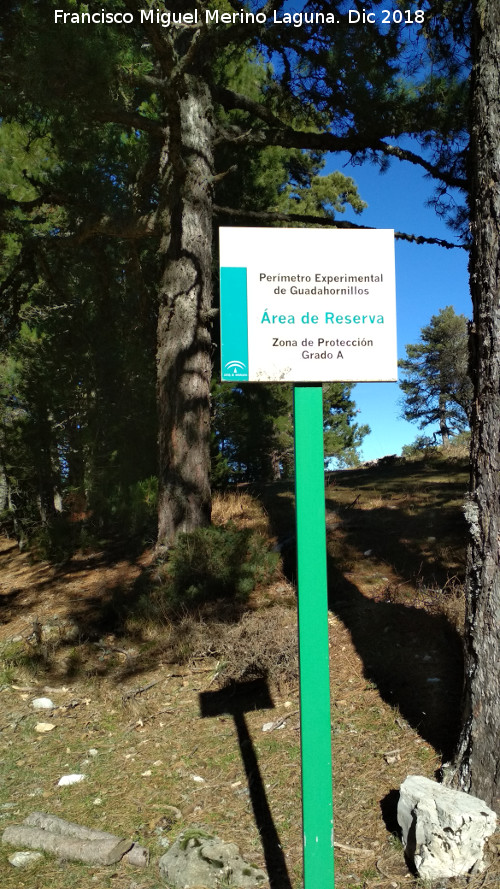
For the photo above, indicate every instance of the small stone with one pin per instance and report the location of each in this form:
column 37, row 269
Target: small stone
column 42, row 704
column 198, row 779
column 24, row 859
column 173, row 812
column 67, row 780
column 42, row 727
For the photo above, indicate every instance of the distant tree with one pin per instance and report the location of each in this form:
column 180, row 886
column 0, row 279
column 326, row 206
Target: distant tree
column 436, row 384
column 254, row 429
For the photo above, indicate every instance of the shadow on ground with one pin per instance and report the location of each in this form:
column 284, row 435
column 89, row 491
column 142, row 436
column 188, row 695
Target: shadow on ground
column 93, row 615
column 413, row 655
column 237, row 699
column 408, row 516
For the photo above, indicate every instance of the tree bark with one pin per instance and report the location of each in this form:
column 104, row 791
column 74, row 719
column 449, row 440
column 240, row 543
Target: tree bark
column 184, row 342
column 477, row 763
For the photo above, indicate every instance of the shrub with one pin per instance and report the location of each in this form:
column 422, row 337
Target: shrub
column 261, row 645
column 421, row 447
column 216, row 563
column 54, row 542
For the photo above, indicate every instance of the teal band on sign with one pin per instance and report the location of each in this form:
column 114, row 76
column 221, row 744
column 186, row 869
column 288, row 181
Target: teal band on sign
column 234, row 324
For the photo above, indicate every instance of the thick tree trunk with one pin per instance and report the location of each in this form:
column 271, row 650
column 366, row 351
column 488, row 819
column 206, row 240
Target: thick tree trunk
column 477, row 767
column 184, row 343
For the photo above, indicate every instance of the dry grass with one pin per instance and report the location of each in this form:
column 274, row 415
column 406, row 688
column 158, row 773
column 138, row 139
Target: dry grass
column 242, row 509
column 150, row 699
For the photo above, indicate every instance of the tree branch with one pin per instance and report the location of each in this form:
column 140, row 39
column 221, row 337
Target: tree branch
column 233, row 101
column 13, row 204
column 287, row 137
column 271, row 7
column 308, row 219
column 141, row 227
column 144, row 80
column 160, row 40
column 130, row 119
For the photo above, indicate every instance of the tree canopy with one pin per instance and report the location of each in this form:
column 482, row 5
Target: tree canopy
column 86, row 225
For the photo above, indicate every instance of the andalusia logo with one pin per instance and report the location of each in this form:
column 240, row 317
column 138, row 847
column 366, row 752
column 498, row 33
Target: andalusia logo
column 235, row 368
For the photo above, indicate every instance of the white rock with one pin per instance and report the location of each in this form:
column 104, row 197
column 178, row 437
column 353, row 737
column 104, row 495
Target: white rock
column 24, row 859
column 43, row 727
column 67, row 780
column 443, row 830
column 42, row 704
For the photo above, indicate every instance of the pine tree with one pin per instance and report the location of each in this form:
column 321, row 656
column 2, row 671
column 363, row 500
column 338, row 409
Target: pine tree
column 436, row 384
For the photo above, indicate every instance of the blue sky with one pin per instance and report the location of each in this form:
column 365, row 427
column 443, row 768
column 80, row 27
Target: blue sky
column 428, row 278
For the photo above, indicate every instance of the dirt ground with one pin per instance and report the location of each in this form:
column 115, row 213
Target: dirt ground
column 164, row 747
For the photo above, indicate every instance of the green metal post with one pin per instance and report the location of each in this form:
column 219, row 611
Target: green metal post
column 316, row 752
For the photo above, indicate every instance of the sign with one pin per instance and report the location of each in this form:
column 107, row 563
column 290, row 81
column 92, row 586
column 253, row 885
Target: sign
column 307, row 305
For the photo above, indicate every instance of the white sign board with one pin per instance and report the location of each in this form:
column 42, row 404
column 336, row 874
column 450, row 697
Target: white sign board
column 307, row 305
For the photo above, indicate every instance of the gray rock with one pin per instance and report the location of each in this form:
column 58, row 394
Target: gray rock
column 444, row 830
column 25, row 859
column 198, row 859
